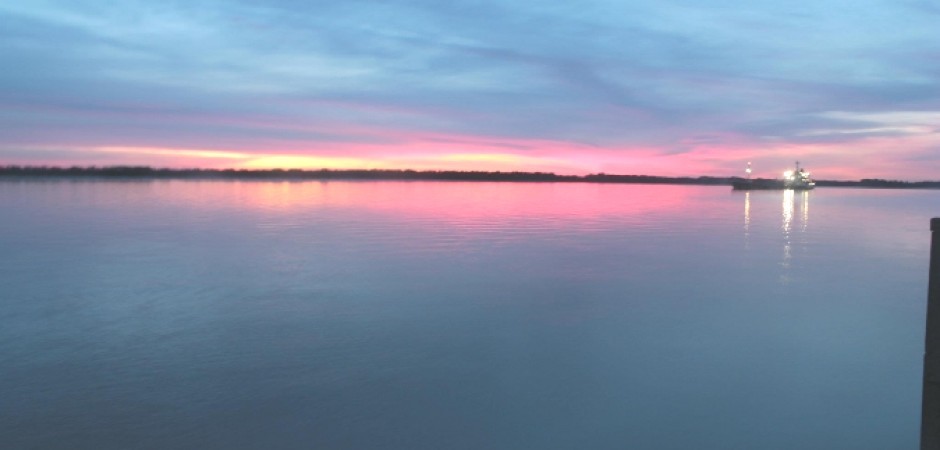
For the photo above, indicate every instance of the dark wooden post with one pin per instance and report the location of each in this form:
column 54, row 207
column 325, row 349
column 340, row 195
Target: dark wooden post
column 930, row 408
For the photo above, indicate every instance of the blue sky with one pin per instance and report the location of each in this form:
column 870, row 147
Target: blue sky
column 852, row 89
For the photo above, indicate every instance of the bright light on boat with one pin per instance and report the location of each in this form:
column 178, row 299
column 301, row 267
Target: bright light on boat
column 788, row 174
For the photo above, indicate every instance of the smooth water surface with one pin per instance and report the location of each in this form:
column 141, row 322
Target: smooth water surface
column 447, row 315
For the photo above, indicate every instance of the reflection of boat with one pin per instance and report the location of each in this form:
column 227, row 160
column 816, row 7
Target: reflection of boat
column 798, row 180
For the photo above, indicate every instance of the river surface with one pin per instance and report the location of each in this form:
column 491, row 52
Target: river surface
column 450, row 315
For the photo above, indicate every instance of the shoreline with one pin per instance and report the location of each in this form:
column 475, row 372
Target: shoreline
column 149, row 173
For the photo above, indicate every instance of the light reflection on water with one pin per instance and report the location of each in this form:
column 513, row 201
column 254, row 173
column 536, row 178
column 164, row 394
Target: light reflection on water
column 459, row 315
column 789, row 209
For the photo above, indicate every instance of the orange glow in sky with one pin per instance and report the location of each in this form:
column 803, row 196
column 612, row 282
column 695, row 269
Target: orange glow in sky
column 437, row 152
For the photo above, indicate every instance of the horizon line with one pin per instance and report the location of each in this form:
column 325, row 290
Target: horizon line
column 469, row 175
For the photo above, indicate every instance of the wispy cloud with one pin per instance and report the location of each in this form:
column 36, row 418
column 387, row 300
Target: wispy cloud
column 644, row 86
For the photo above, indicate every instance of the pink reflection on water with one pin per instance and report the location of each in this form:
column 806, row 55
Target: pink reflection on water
column 468, row 200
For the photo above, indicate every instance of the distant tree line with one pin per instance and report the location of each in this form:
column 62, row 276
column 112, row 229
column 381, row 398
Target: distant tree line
column 882, row 184
column 652, row 179
column 330, row 174
column 150, row 172
column 145, row 172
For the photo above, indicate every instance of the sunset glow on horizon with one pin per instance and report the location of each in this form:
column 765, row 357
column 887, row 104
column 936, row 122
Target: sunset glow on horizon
column 670, row 89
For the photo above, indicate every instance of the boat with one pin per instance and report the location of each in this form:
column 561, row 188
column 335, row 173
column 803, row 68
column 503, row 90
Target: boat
column 798, row 180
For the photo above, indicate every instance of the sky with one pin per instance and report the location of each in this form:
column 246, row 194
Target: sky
column 850, row 88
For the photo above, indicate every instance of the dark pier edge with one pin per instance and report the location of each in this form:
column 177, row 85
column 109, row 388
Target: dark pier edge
column 930, row 409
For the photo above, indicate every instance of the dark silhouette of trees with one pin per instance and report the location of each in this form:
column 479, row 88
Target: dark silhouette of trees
column 144, row 172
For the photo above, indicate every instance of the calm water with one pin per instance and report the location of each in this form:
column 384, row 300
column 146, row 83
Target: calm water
column 426, row 315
